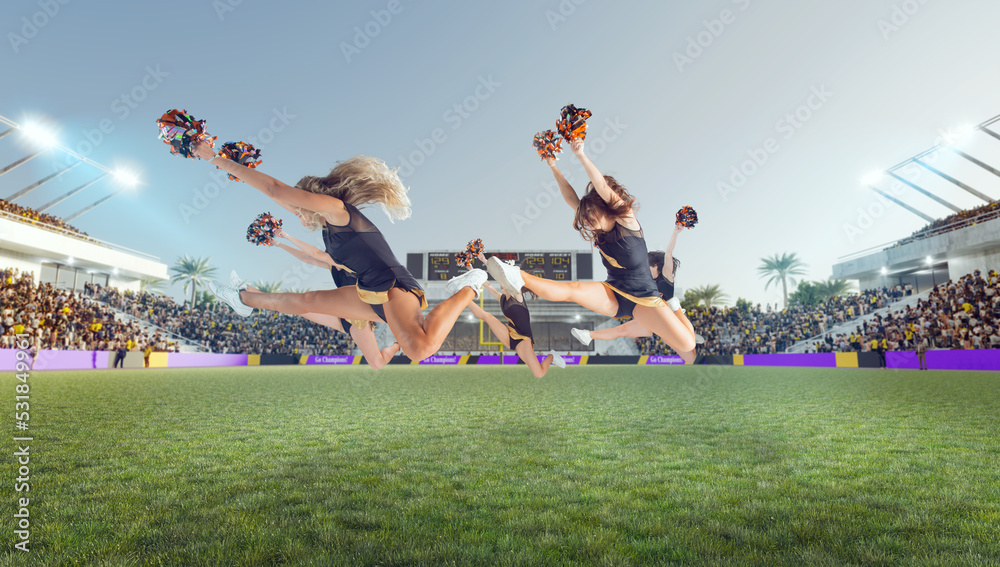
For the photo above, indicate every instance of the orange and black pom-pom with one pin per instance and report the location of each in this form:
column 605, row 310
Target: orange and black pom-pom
column 464, row 259
column 263, row 230
column 475, row 247
column 573, row 122
column 687, row 217
column 179, row 130
column 548, row 144
column 242, row 153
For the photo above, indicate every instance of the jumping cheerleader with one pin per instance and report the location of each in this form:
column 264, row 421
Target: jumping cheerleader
column 385, row 290
column 361, row 331
column 606, row 216
column 516, row 334
column 663, row 274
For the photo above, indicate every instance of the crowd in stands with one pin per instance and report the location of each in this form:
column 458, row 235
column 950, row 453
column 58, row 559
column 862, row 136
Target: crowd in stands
column 60, row 319
column 220, row 330
column 963, row 314
column 729, row 330
column 956, row 221
column 29, row 215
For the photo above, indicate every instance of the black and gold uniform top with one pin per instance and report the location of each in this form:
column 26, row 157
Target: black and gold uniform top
column 666, row 288
column 361, row 247
column 518, row 318
column 626, row 258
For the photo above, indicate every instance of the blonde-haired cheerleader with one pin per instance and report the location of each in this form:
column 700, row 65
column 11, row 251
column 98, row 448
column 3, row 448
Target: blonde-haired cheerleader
column 385, row 290
column 362, row 332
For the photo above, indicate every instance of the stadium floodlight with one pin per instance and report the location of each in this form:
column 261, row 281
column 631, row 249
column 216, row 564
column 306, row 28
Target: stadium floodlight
column 70, row 260
column 38, row 135
column 885, row 270
column 126, row 178
column 872, row 177
column 930, row 260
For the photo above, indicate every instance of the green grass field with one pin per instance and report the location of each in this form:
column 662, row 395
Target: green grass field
column 485, row 466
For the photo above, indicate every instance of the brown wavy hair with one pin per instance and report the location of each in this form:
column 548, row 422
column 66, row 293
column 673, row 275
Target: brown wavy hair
column 593, row 206
column 361, row 180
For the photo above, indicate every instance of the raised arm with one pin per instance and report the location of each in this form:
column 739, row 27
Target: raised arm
column 309, row 249
column 281, row 193
column 595, row 175
column 568, row 193
column 303, row 256
column 668, row 258
column 492, row 291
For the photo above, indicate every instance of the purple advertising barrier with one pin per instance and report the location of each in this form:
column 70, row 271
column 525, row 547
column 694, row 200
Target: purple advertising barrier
column 72, row 360
column 988, row 359
column 330, row 359
column 569, row 358
column 495, row 359
column 204, row 359
column 902, row 359
column 8, row 359
column 816, row 360
column 442, row 359
column 664, row 359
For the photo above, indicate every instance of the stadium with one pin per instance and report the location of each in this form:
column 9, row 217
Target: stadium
column 817, row 385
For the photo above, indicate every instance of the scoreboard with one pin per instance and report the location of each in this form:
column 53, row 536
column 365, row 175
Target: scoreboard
column 441, row 266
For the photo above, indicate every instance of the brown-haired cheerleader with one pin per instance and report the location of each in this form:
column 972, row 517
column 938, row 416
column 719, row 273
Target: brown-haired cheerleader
column 605, row 215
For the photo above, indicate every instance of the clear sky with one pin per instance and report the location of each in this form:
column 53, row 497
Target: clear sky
column 452, row 92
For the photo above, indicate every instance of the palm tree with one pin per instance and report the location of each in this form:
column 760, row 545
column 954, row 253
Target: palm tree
column 712, row 295
column 834, row 288
column 779, row 269
column 152, row 286
column 193, row 272
column 708, row 294
column 268, row 287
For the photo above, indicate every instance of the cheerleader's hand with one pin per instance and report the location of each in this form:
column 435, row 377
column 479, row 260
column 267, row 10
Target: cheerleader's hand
column 280, row 233
column 203, row 150
column 577, row 146
column 550, row 161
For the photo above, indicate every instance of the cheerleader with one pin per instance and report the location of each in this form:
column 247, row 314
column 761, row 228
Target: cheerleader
column 516, row 334
column 361, row 331
column 663, row 273
column 605, row 215
column 385, row 290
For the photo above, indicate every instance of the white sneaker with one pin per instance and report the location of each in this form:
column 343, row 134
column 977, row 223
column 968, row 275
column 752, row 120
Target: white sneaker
column 236, row 282
column 231, row 297
column 674, row 304
column 582, row 335
column 474, row 278
column 557, row 360
column 698, row 339
column 508, row 276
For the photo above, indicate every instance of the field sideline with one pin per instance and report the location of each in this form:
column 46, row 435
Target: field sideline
column 613, row 465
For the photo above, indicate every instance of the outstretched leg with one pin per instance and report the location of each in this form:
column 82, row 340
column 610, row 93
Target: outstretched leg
column 632, row 328
column 664, row 323
column 589, row 295
column 498, row 328
column 365, row 339
column 341, row 302
column 526, row 350
column 419, row 336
